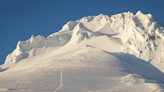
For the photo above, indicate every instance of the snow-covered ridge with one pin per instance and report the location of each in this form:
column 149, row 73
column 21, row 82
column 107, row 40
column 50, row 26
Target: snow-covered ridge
column 27, row 48
column 140, row 34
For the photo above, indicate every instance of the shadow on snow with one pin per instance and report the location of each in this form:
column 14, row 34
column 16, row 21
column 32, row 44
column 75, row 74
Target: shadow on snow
column 140, row 67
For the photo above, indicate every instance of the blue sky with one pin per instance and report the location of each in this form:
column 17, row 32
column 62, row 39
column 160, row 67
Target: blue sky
column 19, row 19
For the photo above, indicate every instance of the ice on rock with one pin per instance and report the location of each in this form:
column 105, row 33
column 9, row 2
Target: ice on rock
column 102, row 19
column 86, row 19
column 150, row 16
column 25, row 49
column 22, row 47
column 69, row 26
column 31, row 53
column 80, row 32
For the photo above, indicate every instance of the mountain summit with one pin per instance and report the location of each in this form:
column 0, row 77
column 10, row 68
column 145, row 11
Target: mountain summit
column 133, row 43
column 140, row 35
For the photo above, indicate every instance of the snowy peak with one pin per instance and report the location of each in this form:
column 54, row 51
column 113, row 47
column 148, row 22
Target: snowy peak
column 139, row 34
column 139, row 13
column 80, row 32
column 80, row 27
column 86, row 19
column 102, row 19
column 69, row 26
column 145, row 19
column 23, row 46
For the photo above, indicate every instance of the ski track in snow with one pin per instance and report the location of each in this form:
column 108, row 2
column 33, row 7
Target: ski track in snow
column 61, row 83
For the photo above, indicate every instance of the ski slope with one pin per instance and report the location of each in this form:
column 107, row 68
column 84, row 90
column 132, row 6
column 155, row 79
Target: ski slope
column 118, row 53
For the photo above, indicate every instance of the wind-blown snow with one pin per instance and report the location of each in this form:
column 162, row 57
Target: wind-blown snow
column 117, row 53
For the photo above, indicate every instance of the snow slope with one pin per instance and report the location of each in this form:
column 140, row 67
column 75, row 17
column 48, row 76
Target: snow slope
column 118, row 53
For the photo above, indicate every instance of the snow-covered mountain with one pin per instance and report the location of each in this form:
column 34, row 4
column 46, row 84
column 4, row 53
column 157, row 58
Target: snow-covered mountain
column 140, row 35
column 125, row 48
